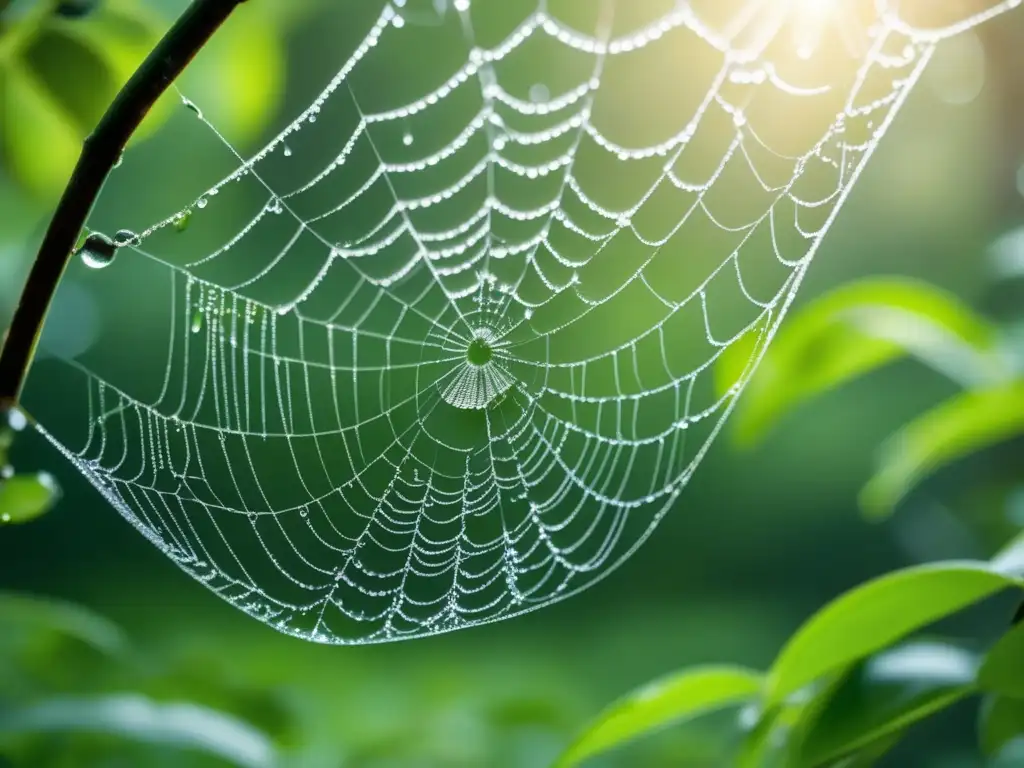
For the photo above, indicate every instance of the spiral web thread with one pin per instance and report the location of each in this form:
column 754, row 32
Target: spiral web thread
column 464, row 366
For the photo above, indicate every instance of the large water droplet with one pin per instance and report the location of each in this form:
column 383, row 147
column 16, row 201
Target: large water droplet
column 197, row 322
column 287, row 151
column 408, row 139
column 539, row 93
column 98, row 251
column 183, row 220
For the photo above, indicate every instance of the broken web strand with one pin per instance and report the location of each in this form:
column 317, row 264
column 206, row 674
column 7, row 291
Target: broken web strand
column 520, row 517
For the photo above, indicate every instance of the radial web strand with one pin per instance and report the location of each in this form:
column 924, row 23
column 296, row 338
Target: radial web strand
column 444, row 350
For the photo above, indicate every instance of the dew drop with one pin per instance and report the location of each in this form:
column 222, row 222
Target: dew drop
column 191, row 106
column 539, row 93
column 125, row 237
column 183, row 220
column 287, row 151
column 201, row 202
column 16, row 420
column 197, row 322
column 97, row 251
column 408, row 139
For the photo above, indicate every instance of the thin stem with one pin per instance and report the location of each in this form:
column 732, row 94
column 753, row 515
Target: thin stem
column 100, row 153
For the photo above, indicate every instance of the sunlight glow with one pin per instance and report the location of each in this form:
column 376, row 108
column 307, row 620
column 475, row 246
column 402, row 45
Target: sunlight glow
column 811, row 18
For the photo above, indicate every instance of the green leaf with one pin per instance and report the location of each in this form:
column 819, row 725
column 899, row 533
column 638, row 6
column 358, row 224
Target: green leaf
column 57, row 77
column 852, row 331
column 872, row 753
column 1010, row 559
column 1010, row 756
column 23, row 498
column 1001, row 722
column 963, row 425
column 881, row 697
column 672, row 699
column 1002, row 670
column 875, row 615
column 238, row 79
column 137, row 718
column 22, row 612
column 760, row 744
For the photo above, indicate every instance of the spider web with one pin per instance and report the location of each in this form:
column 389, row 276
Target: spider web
column 455, row 359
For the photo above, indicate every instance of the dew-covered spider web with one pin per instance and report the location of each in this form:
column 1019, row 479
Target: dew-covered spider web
column 444, row 350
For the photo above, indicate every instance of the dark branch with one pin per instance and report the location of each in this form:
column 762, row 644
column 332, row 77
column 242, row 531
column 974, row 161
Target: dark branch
column 100, row 154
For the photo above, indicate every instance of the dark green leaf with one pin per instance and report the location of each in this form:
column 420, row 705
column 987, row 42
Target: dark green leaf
column 879, row 698
column 872, row 753
column 959, row 427
column 1002, row 721
column 1003, row 668
column 75, row 9
column 673, row 699
column 25, row 497
column 853, row 331
column 137, row 718
column 876, row 615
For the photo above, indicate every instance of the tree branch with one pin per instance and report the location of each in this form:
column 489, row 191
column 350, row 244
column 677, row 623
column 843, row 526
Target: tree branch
column 100, row 153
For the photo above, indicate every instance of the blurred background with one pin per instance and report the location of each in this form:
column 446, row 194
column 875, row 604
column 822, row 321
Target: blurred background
column 763, row 535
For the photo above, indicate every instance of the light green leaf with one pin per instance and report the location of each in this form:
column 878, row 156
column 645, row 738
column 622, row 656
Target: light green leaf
column 875, row 615
column 1010, row 559
column 21, row 612
column 963, row 425
column 672, row 699
column 852, row 331
column 41, row 146
column 1002, row 670
column 137, row 718
column 1001, row 722
column 23, row 498
column 881, row 697
column 238, row 78
column 760, row 746
column 57, row 77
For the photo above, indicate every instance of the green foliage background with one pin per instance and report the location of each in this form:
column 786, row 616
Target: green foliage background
column 769, row 531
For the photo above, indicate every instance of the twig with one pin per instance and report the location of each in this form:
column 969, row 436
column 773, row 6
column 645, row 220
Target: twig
column 100, row 153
